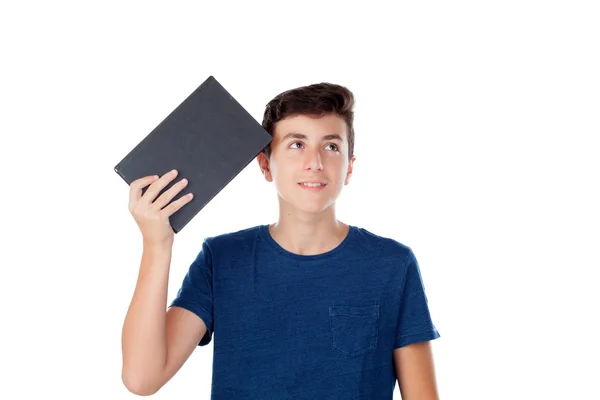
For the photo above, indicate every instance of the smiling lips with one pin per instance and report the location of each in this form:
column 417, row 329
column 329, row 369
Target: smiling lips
column 312, row 186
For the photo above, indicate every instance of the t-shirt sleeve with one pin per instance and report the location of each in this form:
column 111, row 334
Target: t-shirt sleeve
column 414, row 323
column 196, row 294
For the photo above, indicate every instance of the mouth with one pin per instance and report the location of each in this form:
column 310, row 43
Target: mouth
column 312, row 186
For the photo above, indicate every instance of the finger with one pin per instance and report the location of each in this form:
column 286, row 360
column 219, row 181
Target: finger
column 135, row 188
column 168, row 195
column 157, row 186
column 176, row 205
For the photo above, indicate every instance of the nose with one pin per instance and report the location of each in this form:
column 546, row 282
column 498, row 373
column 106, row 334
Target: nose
column 313, row 160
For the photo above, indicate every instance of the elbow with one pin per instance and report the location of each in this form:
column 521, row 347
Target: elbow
column 139, row 386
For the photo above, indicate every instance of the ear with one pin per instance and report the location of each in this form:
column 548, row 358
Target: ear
column 265, row 166
column 349, row 172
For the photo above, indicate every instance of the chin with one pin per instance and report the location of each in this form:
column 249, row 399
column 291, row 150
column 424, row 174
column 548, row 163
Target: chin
column 308, row 202
column 314, row 207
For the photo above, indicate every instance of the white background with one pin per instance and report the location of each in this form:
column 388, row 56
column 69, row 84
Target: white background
column 477, row 128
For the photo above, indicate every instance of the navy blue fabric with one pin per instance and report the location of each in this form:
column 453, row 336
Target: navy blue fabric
column 290, row 326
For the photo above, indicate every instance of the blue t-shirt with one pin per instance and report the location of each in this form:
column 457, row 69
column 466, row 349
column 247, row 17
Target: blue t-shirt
column 290, row 326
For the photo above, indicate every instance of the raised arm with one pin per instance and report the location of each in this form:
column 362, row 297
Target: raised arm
column 155, row 344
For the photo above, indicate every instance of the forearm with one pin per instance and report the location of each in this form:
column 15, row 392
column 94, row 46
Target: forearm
column 144, row 344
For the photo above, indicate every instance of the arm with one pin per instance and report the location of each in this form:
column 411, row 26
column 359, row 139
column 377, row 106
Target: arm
column 156, row 343
column 415, row 372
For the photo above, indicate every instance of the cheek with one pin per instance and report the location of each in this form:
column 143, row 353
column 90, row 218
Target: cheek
column 281, row 170
column 286, row 164
column 336, row 166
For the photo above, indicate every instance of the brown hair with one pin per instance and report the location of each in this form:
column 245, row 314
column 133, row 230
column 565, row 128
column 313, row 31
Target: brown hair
column 317, row 100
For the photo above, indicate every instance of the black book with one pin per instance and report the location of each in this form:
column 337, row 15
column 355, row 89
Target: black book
column 209, row 138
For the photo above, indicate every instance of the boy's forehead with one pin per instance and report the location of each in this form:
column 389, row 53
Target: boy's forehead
column 311, row 127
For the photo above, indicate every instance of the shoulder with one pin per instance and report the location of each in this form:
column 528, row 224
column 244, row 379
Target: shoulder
column 234, row 240
column 384, row 246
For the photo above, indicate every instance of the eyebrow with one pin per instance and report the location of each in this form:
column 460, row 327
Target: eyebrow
column 295, row 135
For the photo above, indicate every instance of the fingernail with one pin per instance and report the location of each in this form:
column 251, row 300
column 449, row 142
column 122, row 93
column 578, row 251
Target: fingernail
column 174, row 171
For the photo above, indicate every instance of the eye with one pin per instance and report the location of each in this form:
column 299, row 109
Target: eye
column 298, row 143
column 335, row 148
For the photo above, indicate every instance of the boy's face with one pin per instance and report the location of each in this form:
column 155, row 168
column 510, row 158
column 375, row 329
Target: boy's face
column 308, row 149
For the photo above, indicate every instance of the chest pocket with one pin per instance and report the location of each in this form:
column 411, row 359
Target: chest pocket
column 354, row 329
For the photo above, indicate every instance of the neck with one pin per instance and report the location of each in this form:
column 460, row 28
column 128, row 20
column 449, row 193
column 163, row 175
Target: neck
column 307, row 233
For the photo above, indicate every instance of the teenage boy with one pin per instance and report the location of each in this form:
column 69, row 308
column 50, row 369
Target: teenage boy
column 308, row 307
